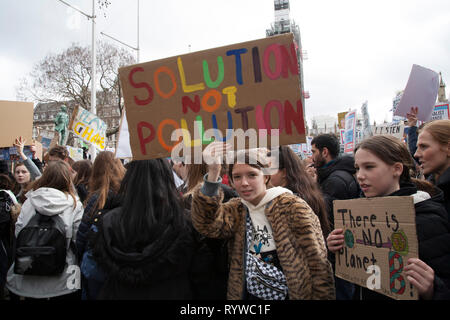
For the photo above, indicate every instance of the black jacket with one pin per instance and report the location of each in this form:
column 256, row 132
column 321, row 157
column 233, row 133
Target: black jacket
column 433, row 234
column 82, row 191
column 38, row 163
column 443, row 183
column 211, row 265
column 160, row 270
column 338, row 183
column 112, row 201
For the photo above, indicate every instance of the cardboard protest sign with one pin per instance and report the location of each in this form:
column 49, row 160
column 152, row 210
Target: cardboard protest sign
column 48, row 139
column 76, row 154
column 396, row 101
column 16, row 121
column 350, row 132
column 309, row 139
column 421, row 91
column 250, row 85
column 341, row 119
column 88, row 127
column 440, row 112
column 341, row 134
column 393, row 129
column 380, row 236
column 341, row 140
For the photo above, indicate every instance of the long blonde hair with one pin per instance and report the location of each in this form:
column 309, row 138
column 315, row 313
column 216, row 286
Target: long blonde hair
column 439, row 130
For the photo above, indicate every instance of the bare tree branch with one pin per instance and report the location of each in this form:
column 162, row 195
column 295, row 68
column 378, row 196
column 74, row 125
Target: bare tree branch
column 67, row 76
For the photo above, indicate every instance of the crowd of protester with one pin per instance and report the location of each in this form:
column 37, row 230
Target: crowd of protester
column 157, row 229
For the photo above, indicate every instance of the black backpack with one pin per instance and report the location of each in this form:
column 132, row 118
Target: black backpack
column 6, row 204
column 41, row 247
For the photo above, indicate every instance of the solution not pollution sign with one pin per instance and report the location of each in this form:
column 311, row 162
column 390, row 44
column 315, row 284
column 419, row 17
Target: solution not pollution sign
column 253, row 86
column 379, row 238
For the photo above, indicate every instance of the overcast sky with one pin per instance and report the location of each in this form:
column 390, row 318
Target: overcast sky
column 357, row 50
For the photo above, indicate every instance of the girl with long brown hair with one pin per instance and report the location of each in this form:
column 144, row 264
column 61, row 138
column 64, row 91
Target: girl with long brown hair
column 24, row 172
column 292, row 175
column 104, row 185
column 52, row 194
column 107, row 173
column 433, row 152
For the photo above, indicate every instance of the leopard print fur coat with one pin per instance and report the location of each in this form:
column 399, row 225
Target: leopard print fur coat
column 298, row 237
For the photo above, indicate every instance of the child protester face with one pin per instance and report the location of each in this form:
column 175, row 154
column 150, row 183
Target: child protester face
column 249, row 182
column 22, row 174
column 375, row 177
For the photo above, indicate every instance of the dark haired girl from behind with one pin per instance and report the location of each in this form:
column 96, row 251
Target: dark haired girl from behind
column 145, row 246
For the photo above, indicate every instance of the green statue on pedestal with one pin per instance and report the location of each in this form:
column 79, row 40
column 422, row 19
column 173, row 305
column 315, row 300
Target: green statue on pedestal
column 62, row 122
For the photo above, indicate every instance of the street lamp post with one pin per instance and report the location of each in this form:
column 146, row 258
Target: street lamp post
column 92, row 149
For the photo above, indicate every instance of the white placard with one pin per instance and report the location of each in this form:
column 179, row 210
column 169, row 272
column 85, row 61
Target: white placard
column 421, row 91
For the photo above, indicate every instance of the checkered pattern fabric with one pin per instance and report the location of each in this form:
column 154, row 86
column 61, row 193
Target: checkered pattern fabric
column 264, row 280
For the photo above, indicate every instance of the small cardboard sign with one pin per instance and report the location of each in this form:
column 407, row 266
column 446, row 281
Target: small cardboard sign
column 393, row 129
column 16, row 121
column 250, row 85
column 88, row 127
column 380, row 236
column 440, row 112
column 48, row 139
column 76, row 154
